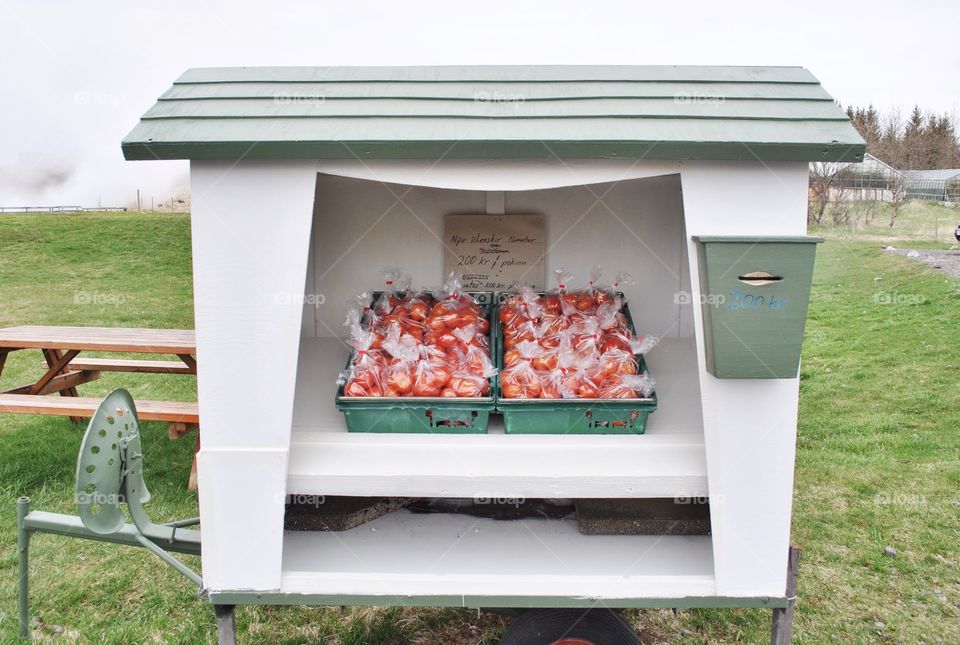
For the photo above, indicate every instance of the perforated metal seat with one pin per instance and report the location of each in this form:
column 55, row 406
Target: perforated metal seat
column 109, row 475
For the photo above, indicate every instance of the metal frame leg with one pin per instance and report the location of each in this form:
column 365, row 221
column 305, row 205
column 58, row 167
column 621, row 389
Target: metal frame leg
column 23, row 569
column 781, row 627
column 226, row 625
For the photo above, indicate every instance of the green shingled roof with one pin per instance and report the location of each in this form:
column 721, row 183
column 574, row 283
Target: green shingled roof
column 632, row 112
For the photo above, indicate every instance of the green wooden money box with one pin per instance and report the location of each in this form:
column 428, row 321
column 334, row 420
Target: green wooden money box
column 754, row 295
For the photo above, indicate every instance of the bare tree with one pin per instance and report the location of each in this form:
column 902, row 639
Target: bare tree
column 823, row 179
column 898, row 195
column 840, row 215
column 868, row 210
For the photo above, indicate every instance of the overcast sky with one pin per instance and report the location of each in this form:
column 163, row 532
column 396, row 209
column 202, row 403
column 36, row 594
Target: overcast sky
column 77, row 75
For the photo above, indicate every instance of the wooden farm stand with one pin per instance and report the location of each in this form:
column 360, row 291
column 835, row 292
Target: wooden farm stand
column 307, row 181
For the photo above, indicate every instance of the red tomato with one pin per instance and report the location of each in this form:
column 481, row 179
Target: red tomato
column 584, row 301
column 474, row 361
column 467, row 318
column 356, row 388
column 550, row 387
column 508, row 313
column 571, row 381
column 546, row 361
column 511, row 390
column 600, row 297
column 551, row 303
column 418, row 311
column 550, row 342
column 511, row 357
column 612, row 342
column 447, row 340
column 553, row 324
column 520, row 383
column 398, row 381
column 430, row 379
column 594, row 373
column 466, row 386
column 613, row 388
column 588, row 390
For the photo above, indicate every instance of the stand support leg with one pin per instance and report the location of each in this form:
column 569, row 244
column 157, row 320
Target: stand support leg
column 781, row 628
column 23, row 570
column 226, row 626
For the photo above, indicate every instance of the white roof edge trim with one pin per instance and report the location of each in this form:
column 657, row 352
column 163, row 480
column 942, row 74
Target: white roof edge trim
column 497, row 174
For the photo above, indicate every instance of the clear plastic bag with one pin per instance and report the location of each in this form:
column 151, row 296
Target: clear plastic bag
column 520, row 380
column 393, row 281
column 628, row 386
column 431, row 375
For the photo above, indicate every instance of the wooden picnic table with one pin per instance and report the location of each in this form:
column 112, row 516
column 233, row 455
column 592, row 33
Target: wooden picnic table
column 61, row 348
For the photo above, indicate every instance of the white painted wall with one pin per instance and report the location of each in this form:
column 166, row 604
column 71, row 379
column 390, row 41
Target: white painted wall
column 749, row 425
column 635, row 225
column 251, row 228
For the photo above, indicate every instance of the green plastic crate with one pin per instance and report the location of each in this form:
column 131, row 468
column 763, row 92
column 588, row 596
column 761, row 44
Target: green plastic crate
column 572, row 416
column 420, row 415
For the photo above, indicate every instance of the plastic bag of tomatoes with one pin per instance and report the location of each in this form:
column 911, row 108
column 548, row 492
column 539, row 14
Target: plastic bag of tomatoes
column 571, row 343
column 428, row 344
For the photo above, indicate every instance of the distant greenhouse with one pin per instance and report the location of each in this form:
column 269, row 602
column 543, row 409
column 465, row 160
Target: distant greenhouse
column 874, row 180
column 936, row 185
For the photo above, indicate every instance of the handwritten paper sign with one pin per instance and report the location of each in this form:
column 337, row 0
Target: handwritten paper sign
column 495, row 251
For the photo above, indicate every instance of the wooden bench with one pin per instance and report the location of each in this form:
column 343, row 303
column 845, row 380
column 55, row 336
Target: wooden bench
column 132, row 365
column 181, row 417
column 82, row 406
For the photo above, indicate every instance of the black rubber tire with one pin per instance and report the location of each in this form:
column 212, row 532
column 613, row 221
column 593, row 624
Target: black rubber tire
column 591, row 626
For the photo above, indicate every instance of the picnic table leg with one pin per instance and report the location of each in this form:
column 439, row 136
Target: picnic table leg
column 57, row 363
column 3, row 359
column 192, row 483
column 189, row 361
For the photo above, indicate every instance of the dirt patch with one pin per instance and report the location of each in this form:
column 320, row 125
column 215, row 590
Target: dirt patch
column 947, row 261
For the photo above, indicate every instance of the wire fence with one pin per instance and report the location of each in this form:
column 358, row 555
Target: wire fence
column 62, row 209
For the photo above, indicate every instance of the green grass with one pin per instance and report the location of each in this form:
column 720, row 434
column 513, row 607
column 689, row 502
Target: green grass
column 917, row 222
column 878, row 458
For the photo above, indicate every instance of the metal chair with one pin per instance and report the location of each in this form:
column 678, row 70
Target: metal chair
column 109, row 474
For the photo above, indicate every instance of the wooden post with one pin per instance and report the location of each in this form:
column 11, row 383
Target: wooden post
column 226, row 625
column 781, row 628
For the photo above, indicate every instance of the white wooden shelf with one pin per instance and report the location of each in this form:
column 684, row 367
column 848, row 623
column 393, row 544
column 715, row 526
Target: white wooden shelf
column 668, row 460
column 410, row 555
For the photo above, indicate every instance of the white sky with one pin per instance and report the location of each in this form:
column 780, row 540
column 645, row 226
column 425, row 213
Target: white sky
column 76, row 76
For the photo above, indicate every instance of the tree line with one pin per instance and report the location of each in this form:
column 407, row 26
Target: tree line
column 922, row 141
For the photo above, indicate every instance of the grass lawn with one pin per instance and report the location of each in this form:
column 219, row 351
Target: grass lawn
column 920, row 223
column 878, row 459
